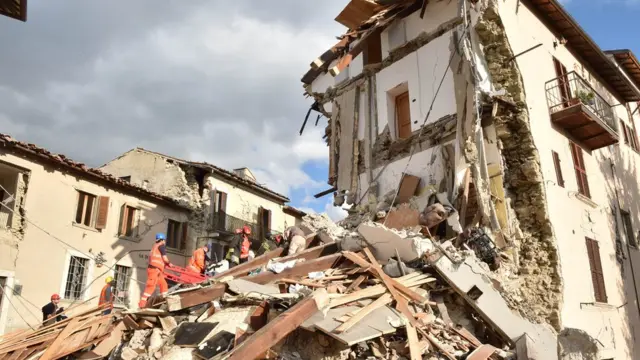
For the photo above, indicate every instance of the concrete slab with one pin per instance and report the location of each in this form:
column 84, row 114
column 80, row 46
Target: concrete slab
column 384, row 242
column 469, row 281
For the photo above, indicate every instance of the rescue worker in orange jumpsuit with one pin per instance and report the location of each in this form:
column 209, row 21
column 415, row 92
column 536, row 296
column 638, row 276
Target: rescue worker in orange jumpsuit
column 107, row 295
column 155, row 271
column 239, row 250
column 198, row 263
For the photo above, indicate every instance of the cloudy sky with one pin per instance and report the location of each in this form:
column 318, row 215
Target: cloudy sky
column 206, row 80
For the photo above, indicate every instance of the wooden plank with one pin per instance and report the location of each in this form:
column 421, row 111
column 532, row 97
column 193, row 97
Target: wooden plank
column 356, row 283
column 376, row 270
column 244, row 269
column 57, row 344
column 298, row 270
column 414, row 343
column 365, row 311
column 464, row 202
column 444, row 313
column 377, row 290
column 280, row 327
column 168, row 323
column 371, row 327
column 197, row 297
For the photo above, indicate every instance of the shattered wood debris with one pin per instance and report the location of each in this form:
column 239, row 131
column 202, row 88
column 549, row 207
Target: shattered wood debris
column 376, row 293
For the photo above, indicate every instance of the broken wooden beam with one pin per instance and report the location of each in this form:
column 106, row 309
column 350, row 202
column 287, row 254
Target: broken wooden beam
column 246, row 268
column 280, row 327
column 193, row 298
column 298, row 270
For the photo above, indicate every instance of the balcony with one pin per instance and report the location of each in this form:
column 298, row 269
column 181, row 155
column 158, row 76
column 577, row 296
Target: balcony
column 584, row 115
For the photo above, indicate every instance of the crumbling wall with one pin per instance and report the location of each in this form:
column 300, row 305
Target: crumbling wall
column 11, row 237
column 539, row 294
column 575, row 344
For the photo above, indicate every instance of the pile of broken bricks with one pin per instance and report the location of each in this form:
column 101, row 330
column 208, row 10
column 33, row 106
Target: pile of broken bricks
column 372, row 294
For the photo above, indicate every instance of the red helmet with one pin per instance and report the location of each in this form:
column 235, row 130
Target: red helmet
column 55, row 297
column 278, row 238
column 238, row 231
column 246, row 229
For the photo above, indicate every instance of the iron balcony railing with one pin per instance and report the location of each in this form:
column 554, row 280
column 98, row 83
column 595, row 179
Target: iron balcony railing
column 571, row 89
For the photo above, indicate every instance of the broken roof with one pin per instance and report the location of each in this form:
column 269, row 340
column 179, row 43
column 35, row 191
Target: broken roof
column 38, row 153
column 15, row 9
column 365, row 17
column 293, row 211
column 229, row 175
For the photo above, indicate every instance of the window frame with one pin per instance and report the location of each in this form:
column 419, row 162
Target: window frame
column 124, row 216
column 181, row 232
column 558, row 166
column 580, row 170
column 82, row 196
column 122, row 285
column 627, row 226
column 86, row 266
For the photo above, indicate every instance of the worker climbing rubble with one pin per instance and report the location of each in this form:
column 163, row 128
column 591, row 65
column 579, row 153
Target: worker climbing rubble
column 107, row 295
column 238, row 252
column 157, row 261
column 270, row 242
column 198, row 261
column 51, row 311
column 295, row 237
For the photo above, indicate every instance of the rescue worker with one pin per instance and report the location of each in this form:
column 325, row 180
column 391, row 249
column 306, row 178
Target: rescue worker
column 238, row 252
column 198, row 261
column 107, row 295
column 295, row 237
column 51, row 310
column 270, row 242
column 155, row 271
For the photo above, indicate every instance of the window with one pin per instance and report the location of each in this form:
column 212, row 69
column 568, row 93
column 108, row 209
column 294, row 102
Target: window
column 264, row 220
column 556, row 163
column 85, row 209
column 597, row 277
column 403, row 116
column 630, row 136
column 3, row 283
column 581, row 173
column 218, row 209
column 123, row 278
column 76, row 278
column 563, row 82
column 628, row 228
column 372, row 52
column 128, row 221
column 177, row 235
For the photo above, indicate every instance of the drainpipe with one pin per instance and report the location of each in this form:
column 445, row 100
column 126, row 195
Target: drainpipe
column 633, row 273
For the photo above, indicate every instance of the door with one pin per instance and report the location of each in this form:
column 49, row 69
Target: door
column 564, row 87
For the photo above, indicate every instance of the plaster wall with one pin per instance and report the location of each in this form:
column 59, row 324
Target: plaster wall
column 573, row 217
column 42, row 262
column 419, row 73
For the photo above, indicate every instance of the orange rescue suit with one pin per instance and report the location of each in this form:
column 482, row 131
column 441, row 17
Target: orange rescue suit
column 107, row 296
column 197, row 261
column 155, row 276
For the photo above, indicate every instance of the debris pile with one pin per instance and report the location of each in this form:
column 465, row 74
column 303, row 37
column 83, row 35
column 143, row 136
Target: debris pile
column 374, row 293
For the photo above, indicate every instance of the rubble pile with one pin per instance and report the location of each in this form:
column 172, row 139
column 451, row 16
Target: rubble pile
column 371, row 293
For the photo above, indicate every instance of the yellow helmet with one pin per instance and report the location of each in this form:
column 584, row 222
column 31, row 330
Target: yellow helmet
column 108, row 280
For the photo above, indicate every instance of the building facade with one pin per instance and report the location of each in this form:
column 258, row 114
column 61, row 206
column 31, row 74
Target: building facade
column 529, row 127
column 64, row 228
column 226, row 200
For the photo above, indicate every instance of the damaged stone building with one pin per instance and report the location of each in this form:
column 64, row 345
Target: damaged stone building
column 224, row 200
column 527, row 127
column 65, row 227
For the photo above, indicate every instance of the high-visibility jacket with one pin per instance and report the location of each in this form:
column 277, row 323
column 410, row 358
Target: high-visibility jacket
column 245, row 247
column 156, row 258
column 197, row 260
column 107, row 296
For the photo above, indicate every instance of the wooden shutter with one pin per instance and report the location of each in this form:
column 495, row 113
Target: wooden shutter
column 223, row 203
column 268, row 216
column 625, row 132
column 581, row 173
column 563, row 82
column 372, row 53
column 103, row 212
column 597, row 276
column 123, row 224
column 556, row 163
column 183, row 238
column 403, row 116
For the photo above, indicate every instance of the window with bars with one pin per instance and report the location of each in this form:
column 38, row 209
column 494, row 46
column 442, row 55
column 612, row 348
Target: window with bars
column 581, row 172
column 76, row 278
column 123, row 278
column 597, row 276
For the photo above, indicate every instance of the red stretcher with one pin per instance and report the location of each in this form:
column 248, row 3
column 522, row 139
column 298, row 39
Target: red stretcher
column 182, row 275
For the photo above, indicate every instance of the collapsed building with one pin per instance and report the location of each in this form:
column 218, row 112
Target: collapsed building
column 508, row 115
